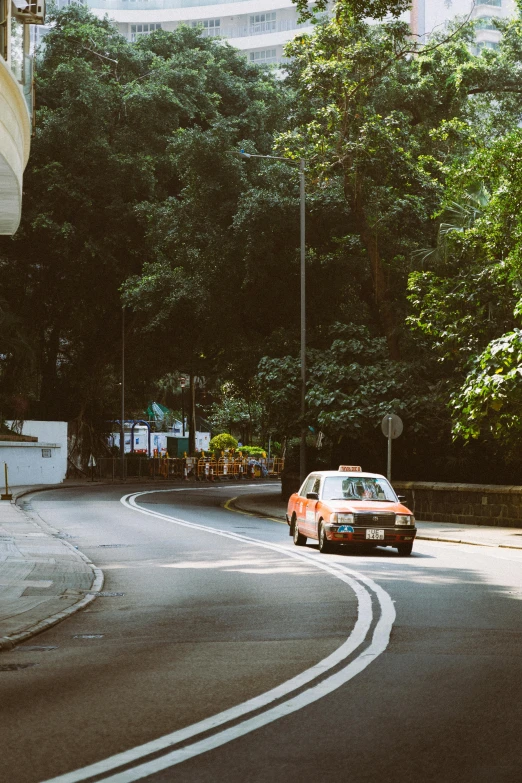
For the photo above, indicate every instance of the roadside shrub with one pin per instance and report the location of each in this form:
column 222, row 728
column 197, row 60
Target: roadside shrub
column 222, row 442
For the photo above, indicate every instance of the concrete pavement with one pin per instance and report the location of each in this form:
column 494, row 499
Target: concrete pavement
column 43, row 579
column 271, row 505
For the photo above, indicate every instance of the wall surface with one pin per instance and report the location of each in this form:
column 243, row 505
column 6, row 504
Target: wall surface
column 26, row 462
column 461, row 504
column 31, row 463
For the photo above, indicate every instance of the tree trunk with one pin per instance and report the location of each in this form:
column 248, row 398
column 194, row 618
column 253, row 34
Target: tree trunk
column 49, row 404
column 192, row 414
column 381, row 294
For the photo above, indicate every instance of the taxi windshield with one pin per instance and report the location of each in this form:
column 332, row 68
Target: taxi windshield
column 357, row 488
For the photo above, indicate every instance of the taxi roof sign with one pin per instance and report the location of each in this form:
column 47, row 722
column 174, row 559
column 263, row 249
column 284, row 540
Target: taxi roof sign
column 349, row 468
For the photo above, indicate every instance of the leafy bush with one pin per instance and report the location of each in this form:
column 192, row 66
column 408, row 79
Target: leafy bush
column 222, row 442
column 252, row 451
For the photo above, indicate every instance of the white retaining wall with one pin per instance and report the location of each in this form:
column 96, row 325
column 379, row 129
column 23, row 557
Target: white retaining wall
column 44, row 462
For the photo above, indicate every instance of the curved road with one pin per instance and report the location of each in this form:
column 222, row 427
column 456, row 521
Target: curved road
column 219, row 651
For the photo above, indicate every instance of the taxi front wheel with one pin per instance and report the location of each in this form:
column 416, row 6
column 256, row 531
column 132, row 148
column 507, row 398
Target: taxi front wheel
column 324, row 544
column 405, row 549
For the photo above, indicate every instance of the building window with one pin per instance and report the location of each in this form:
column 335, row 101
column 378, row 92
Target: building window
column 485, row 23
column 4, row 37
column 263, row 56
column 486, row 45
column 262, row 23
column 210, row 27
column 143, row 29
column 497, row 3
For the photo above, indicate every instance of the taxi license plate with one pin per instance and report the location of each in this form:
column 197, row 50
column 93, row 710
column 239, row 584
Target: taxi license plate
column 375, row 534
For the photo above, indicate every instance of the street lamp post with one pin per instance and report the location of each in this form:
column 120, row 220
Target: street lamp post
column 182, row 382
column 302, row 448
column 122, row 431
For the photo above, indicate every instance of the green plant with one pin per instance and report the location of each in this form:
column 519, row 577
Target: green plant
column 252, row 451
column 223, row 442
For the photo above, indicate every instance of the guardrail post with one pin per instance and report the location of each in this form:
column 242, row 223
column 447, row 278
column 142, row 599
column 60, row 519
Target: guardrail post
column 7, row 495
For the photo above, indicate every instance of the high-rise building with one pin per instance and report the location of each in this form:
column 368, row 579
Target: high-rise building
column 432, row 16
column 16, row 103
column 259, row 28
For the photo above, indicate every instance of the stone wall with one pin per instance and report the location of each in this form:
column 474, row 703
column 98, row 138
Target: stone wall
column 461, row 504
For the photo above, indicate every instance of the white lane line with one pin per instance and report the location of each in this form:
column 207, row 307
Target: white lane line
column 356, row 638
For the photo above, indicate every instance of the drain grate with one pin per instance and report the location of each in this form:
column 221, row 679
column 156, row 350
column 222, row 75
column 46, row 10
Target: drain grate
column 14, row 667
column 111, row 546
column 36, row 648
column 88, row 636
column 107, row 595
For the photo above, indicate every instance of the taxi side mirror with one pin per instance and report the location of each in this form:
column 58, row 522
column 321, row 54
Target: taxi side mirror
column 312, row 496
column 402, row 498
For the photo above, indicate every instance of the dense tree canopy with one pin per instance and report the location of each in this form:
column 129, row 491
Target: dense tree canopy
column 136, row 197
column 128, row 136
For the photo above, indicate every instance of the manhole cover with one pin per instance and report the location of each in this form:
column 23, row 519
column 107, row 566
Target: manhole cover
column 14, row 667
column 111, row 546
column 107, row 595
column 88, row 636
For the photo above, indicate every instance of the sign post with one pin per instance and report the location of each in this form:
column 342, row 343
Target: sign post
column 391, row 427
column 92, row 465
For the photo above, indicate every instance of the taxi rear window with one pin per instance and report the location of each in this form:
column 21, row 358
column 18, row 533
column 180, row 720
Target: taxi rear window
column 357, row 488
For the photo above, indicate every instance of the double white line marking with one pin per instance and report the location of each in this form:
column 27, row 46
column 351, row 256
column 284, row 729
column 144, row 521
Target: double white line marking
column 319, row 684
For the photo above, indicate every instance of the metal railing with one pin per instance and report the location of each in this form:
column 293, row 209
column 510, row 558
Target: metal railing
column 205, row 468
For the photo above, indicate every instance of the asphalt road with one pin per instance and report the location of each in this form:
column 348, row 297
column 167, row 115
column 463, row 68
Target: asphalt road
column 205, row 610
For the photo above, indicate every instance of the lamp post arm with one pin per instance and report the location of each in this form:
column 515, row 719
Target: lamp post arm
column 244, row 154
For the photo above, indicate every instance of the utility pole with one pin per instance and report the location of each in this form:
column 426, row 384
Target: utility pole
column 122, row 431
column 302, row 449
column 183, row 381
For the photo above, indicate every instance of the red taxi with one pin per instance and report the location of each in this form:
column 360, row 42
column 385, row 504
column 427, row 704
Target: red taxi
column 347, row 506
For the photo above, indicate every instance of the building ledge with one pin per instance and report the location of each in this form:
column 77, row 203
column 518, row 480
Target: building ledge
column 15, row 140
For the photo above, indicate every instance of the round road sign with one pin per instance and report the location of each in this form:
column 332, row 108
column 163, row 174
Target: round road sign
column 391, row 426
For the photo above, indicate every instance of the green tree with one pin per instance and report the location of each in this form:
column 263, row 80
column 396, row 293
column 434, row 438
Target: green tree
column 222, row 442
column 126, row 135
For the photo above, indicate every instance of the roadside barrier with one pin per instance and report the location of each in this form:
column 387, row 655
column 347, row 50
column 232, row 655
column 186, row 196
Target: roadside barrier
column 204, row 468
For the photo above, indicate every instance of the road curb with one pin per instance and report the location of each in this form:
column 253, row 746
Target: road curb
column 246, row 510
column 9, row 642
column 470, row 543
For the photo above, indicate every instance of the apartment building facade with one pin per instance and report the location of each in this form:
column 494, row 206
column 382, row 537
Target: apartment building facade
column 432, row 16
column 259, row 28
column 16, row 103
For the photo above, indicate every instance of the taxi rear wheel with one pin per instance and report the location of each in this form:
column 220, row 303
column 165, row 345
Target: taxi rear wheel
column 324, row 544
column 299, row 539
column 405, row 549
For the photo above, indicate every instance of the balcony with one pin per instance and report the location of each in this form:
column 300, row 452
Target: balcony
column 261, row 28
column 153, row 5
column 15, row 136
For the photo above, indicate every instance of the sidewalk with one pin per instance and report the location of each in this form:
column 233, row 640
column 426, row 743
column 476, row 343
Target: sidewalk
column 271, row 505
column 43, row 579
